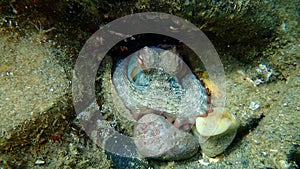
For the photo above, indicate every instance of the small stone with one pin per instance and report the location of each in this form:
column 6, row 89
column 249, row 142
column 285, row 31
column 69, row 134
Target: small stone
column 284, row 164
column 254, row 106
column 39, row 162
column 204, row 162
column 265, row 153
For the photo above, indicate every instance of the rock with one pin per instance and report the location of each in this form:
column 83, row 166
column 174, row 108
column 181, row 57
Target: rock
column 156, row 138
column 34, row 100
column 39, row 162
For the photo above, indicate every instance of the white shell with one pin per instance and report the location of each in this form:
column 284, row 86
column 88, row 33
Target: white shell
column 217, row 122
column 216, row 131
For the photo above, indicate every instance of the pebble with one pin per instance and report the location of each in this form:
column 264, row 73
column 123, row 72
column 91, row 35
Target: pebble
column 204, row 162
column 254, row 106
column 228, row 163
column 39, row 162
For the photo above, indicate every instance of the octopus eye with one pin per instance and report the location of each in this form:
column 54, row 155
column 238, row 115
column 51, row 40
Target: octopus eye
column 133, row 74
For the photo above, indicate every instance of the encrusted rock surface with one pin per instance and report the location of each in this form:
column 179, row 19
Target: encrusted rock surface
column 33, row 90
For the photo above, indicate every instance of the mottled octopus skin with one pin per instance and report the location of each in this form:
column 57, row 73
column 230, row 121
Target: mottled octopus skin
column 156, row 80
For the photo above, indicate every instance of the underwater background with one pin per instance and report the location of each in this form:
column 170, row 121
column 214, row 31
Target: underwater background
column 258, row 44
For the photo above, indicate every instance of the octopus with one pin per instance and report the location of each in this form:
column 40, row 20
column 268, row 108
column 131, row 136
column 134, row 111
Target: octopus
column 165, row 100
column 153, row 80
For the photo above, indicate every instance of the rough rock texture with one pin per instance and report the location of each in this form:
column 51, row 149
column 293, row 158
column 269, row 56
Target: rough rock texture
column 244, row 25
column 33, row 90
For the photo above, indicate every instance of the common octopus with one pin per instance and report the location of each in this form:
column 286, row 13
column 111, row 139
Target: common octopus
column 165, row 99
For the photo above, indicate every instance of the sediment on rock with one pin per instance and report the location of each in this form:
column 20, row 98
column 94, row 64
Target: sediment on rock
column 35, row 94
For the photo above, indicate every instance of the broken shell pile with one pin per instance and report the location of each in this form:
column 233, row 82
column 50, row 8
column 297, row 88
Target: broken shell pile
column 165, row 100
